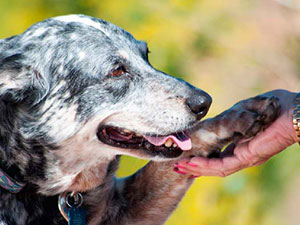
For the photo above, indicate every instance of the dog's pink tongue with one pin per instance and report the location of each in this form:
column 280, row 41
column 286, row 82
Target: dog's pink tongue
column 184, row 144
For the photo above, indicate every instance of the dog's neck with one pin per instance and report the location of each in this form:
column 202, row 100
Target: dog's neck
column 22, row 159
column 11, row 177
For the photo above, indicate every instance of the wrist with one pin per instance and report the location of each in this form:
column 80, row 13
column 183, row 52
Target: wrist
column 296, row 116
column 284, row 123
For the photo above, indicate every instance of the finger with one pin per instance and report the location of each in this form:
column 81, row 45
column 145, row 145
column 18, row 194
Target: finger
column 256, row 150
column 196, row 172
column 210, row 167
column 260, row 162
column 247, row 156
column 183, row 160
column 221, row 164
column 184, row 171
column 224, row 166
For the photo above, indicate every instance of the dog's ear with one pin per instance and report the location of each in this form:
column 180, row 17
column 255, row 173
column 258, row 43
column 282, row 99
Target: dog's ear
column 20, row 82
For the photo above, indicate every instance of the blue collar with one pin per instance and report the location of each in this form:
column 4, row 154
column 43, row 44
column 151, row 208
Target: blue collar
column 9, row 183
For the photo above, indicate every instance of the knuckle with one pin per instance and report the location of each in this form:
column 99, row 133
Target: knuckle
column 223, row 173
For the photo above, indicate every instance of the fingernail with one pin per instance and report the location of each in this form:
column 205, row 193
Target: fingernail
column 192, row 164
column 180, row 166
column 177, row 171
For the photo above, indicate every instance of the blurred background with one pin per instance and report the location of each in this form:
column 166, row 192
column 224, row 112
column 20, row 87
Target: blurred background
column 232, row 49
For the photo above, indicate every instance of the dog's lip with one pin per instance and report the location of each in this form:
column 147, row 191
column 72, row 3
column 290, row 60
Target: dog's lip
column 180, row 138
column 125, row 139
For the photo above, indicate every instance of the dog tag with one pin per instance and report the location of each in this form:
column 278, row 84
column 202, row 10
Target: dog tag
column 76, row 216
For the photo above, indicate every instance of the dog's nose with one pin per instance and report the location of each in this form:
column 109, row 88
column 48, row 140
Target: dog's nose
column 199, row 103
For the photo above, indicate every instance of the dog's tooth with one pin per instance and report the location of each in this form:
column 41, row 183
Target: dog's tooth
column 169, row 143
column 127, row 131
column 174, row 145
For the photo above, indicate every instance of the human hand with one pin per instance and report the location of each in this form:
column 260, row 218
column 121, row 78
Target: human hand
column 277, row 137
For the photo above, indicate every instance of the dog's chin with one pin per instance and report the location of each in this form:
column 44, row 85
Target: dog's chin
column 170, row 146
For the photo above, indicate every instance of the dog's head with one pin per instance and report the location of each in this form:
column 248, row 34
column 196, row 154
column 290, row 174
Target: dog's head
column 88, row 87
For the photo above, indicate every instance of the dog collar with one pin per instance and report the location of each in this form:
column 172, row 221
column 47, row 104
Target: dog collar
column 9, row 183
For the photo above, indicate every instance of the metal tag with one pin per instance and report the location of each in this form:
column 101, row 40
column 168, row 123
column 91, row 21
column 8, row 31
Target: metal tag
column 76, row 216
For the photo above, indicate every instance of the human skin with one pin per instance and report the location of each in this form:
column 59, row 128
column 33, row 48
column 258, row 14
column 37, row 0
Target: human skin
column 277, row 137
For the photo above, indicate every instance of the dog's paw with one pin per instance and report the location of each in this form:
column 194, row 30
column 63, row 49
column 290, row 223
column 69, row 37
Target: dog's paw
column 242, row 121
column 249, row 117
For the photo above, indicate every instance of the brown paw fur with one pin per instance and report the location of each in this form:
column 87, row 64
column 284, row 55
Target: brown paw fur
column 254, row 115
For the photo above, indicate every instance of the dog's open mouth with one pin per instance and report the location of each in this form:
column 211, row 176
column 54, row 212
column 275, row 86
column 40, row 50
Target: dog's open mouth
column 168, row 146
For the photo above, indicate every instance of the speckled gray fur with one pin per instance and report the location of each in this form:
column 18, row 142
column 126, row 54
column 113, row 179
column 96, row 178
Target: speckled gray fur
column 54, row 80
column 56, row 89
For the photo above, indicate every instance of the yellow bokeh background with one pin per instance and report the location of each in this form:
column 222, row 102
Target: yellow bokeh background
column 233, row 49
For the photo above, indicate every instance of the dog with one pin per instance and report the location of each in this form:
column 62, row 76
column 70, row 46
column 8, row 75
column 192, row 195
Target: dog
column 76, row 92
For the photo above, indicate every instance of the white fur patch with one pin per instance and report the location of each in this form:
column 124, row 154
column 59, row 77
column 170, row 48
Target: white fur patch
column 6, row 80
column 123, row 54
column 206, row 136
column 60, row 69
column 223, row 132
column 81, row 55
column 83, row 20
column 62, row 180
column 63, row 119
column 39, row 31
column 59, row 86
column 50, row 102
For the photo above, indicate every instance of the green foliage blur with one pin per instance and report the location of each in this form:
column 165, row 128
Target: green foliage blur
column 233, row 49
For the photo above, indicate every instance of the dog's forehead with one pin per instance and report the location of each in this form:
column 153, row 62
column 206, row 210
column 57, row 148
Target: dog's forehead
column 118, row 36
column 88, row 21
column 113, row 37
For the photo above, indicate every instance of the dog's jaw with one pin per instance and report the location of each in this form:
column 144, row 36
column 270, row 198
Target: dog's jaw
column 80, row 163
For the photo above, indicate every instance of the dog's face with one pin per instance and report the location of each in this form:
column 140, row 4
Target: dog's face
column 90, row 89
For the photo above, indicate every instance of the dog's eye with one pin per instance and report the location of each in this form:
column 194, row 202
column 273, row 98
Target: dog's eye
column 118, row 72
